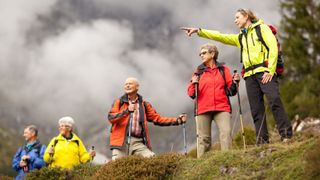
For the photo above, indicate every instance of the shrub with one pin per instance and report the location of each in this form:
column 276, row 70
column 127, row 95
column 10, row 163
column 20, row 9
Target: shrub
column 250, row 136
column 83, row 171
column 50, row 174
column 2, row 177
column 137, row 167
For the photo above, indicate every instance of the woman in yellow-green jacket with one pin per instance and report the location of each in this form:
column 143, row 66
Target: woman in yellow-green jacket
column 259, row 62
column 66, row 150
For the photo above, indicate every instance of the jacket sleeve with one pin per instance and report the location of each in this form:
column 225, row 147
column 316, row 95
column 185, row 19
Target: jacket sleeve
column 230, row 39
column 38, row 162
column 153, row 116
column 271, row 42
column 83, row 153
column 116, row 114
column 16, row 160
column 46, row 156
column 232, row 87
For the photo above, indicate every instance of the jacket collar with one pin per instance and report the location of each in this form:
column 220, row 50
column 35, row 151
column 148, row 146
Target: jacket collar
column 124, row 98
column 203, row 67
column 252, row 26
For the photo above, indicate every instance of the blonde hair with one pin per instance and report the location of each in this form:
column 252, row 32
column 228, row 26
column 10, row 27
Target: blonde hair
column 251, row 15
column 211, row 48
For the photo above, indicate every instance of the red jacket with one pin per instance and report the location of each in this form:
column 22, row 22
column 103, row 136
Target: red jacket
column 119, row 118
column 211, row 91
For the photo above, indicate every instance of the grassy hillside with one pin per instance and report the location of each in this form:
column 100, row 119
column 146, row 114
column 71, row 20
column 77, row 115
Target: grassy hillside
column 298, row 160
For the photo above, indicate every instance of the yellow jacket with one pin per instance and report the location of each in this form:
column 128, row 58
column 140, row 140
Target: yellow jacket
column 253, row 50
column 67, row 153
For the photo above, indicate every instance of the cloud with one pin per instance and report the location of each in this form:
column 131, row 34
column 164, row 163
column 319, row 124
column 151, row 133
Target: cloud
column 71, row 57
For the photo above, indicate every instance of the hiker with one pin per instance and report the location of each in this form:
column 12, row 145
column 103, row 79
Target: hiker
column 259, row 70
column 214, row 84
column 67, row 150
column 29, row 156
column 132, row 110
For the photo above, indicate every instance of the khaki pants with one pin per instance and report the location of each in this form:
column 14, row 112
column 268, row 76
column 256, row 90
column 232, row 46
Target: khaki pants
column 136, row 147
column 203, row 122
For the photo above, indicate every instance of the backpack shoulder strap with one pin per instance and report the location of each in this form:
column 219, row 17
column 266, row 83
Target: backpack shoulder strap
column 221, row 69
column 38, row 148
column 55, row 142
column 241, row 45
column 260, row 38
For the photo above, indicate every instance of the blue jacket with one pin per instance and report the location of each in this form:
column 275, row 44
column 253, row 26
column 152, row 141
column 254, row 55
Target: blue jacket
column 36, row 158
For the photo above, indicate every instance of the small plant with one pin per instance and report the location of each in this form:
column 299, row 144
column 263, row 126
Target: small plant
column 250, row 136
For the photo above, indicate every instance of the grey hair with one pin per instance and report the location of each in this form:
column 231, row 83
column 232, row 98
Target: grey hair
column 211, row 48
column 66, row 120
column 33, row 128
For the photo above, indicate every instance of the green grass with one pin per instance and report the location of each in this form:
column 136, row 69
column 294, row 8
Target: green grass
column 298, row 160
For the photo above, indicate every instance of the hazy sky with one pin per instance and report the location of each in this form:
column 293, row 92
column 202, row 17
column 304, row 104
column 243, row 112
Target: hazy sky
column 71, row 57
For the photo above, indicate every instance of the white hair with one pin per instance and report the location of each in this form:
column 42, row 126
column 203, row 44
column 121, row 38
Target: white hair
column 66, row 120
column 133, row 79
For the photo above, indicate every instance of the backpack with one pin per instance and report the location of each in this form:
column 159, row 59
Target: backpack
column 280, row 63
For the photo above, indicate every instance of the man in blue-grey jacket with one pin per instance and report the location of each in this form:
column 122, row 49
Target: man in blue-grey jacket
column 29, row 156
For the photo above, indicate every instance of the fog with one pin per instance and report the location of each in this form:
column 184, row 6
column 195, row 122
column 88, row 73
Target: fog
column 71, row 58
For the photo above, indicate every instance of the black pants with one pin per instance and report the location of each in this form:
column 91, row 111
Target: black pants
column 255, row 92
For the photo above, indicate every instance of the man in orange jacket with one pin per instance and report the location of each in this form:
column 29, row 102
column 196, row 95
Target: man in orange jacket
column 128, row 116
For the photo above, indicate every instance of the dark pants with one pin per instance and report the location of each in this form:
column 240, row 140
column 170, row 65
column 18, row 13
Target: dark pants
column 255, row 92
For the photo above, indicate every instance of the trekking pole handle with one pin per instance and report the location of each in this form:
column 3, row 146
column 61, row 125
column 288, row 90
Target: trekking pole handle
column 234, row 72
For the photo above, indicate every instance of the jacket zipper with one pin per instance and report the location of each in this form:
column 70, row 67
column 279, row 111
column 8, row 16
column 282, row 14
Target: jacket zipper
column 246, row 35
column 252, row 39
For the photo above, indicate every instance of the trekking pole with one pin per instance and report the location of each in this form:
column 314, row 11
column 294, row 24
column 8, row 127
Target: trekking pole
column 51, row 157
column 184, row 137
column 92, row 157
column 196, row 110
column 240, row 114
column 129, row 133
column 92, row 149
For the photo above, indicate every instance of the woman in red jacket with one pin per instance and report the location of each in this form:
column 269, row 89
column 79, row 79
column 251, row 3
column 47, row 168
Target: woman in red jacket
column 215, row 84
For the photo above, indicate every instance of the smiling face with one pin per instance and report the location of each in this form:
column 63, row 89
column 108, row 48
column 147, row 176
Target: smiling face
column 241, row 20
column 65, row 129
column 206, row 55
column 29, row 135
column 131, row 86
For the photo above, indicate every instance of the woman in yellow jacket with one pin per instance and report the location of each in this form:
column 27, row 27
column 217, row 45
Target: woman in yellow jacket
column 66, row 150
column 259, row 62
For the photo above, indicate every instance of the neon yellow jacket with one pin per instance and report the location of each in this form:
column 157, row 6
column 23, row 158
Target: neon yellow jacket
column 253, row 50
column 67, row 153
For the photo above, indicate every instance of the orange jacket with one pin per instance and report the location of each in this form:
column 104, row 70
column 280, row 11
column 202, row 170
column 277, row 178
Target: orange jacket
column 119, row 118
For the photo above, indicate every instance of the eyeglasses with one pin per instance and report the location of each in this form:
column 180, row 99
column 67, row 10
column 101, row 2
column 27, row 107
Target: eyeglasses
column 64, row 126
column 203, row 53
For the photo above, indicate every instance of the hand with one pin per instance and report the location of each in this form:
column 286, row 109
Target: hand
column 22, row 163
column 194, row 79
column 183, row 118
column 92, row 153
column 236, row 78
column 189, row 30
column 51, row 151
column 266, row 77
column 25, row 158
column 131, row 107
